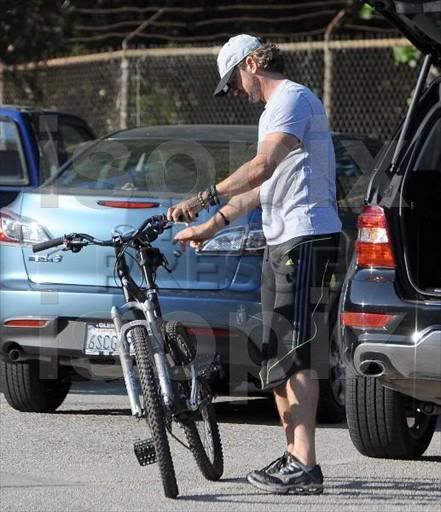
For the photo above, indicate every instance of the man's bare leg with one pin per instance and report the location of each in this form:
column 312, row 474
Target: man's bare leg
column 284, row 410
column 297, row 406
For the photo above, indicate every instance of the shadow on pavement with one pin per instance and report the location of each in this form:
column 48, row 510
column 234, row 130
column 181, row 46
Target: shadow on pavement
column 93, row 412
column 426, row 491
column 354, row 491
column 244, row 410
column 430, row 458
column 260, row 411
column 98, row 387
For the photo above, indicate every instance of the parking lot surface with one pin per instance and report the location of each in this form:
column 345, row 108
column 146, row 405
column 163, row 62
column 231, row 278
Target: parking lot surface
column 81, row 459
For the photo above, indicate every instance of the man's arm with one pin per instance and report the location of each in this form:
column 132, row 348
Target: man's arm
column 271, row 151
column 241, row 204
column 237, row 206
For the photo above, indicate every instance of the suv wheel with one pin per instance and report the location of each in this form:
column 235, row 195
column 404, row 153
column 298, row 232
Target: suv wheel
column 384, row 423
column 26, row 391
column 331, row 406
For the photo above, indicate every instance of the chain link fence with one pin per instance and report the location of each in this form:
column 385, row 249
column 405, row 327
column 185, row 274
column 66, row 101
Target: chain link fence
column 365, row 90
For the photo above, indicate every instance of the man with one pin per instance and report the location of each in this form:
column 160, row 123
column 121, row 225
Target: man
column 292, row 177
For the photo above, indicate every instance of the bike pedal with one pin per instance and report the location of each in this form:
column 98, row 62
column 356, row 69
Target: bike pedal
column 145, row 452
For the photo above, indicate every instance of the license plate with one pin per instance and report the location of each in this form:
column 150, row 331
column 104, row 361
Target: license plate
column 102, row 340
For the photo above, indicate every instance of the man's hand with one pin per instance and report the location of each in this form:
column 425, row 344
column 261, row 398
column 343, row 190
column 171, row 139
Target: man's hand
column 196, row 235
column 185, row 211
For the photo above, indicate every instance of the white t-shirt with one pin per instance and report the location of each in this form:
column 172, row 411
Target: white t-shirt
column 299, row 198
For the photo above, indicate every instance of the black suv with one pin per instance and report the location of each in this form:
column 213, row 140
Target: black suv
column 390, row 307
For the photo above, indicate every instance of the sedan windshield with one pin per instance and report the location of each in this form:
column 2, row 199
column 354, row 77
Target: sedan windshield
column 161, row 166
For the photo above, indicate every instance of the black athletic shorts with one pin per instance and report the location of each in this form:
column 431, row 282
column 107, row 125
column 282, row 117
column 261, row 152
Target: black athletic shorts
column 295, row 286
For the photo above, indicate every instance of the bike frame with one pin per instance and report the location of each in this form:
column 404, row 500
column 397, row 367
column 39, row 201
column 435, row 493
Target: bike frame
column 149, row 308
column 164, row 353
column 144, row 307
column 145, row 304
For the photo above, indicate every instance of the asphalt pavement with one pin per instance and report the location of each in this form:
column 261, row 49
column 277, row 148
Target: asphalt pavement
column 81, row 459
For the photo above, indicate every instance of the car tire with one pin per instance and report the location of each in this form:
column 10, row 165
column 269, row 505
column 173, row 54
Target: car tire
column 384, row 423
column 331, row 406
column 26, row 391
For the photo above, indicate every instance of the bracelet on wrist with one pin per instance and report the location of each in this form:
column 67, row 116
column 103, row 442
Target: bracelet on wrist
column 202, row 201
column 212, row 195
column 226, row 221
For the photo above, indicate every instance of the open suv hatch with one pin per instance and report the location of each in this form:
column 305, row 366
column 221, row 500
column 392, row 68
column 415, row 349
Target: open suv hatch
column 390, row 307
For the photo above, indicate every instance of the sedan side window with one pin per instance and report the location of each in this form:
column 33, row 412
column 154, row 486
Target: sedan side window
column 13, row 170
column 73, row 137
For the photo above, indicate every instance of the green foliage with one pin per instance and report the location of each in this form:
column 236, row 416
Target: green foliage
column 33, row 29
column 366, row 12
column 406, row 55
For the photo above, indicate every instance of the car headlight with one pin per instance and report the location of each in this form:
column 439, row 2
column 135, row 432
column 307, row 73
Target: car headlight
column 235, row 240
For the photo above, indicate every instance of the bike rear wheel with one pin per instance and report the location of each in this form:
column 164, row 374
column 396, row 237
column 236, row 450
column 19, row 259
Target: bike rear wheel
column 201, row 429
column 154, row 412
column 204, row 440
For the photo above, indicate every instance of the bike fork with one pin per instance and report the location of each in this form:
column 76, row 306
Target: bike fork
column 127, row 365
column 159, row 357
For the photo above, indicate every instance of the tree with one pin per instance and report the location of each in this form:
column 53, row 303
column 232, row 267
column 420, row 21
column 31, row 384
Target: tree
column 33, row 29
column 39, row 29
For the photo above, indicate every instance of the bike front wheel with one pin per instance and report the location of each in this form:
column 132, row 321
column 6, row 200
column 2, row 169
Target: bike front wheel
column 154, row 412
column 202, row 432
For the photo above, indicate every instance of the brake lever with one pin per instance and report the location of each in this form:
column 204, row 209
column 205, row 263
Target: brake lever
column 182, row 222
column 76, row 245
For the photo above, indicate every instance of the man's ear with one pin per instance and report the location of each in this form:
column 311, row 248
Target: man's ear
column 251, row 64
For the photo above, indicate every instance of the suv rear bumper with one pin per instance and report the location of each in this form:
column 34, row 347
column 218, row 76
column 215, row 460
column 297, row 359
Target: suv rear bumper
column 406, row 354
column 421, row 360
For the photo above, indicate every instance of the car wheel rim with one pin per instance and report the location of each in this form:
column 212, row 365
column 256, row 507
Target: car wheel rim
column 417, row 423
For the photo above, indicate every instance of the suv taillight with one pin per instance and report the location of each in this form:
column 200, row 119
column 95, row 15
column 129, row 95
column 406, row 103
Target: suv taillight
column 373, row 247
column 20, row 230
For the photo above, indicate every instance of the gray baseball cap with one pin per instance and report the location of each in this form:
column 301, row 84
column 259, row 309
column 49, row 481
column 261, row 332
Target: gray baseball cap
column 231, row 54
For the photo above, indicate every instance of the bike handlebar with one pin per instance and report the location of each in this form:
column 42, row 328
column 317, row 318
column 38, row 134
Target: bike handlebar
column 151, row 227
column 42, row 246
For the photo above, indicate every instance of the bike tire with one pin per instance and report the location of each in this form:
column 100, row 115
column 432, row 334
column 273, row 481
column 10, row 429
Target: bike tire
column 154, row 412
column 181, row 345
column 209, row 457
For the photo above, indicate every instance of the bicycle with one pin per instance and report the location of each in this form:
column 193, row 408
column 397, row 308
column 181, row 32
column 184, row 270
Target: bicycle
column 173, row 390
